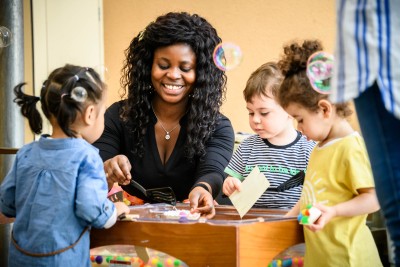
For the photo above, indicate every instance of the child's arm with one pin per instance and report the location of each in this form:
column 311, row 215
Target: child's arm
column 231, row 184
column 294, row 211
column 366, row 202
column 120, row 210
column 8, row 192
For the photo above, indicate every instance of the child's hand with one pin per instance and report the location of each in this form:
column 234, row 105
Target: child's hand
column 231, row 184
column 327, row 214
column 121, row 208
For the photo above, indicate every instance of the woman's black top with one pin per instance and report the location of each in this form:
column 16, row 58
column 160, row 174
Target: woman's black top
column 178, row 172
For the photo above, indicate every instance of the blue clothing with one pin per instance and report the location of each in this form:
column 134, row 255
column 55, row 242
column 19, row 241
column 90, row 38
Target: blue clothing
column 368, row 51
column 367, row 70
column 381, row 132
column 55, row 189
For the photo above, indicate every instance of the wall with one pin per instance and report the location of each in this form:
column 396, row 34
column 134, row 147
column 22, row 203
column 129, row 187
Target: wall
column 53, row 38
column 259, row 27
column 28, row 58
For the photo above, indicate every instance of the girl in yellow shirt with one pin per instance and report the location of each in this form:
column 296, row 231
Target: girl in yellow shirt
column 339, row 179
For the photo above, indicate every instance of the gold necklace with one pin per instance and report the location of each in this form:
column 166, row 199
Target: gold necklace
column 167, row 133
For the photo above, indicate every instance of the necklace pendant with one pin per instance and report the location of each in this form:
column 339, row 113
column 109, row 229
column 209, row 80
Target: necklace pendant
column 167, row 136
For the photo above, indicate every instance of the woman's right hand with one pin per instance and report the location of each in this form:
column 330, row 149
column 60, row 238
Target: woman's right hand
column 230, row 185
column 201, row 201
column 118, row 170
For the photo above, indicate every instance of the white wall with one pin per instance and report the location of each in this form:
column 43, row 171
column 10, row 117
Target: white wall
column 66, row 32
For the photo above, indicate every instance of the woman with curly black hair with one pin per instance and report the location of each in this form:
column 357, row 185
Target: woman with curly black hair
column 169, row 131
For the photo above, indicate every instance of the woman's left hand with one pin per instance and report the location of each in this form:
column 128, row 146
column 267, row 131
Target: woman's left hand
column 202, row 201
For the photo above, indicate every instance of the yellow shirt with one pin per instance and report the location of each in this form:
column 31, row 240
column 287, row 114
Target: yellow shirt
column 334, row 174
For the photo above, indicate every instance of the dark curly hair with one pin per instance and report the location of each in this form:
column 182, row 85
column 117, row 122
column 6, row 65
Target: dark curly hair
column 57, row 97
column 209, row 88
column 296, row 87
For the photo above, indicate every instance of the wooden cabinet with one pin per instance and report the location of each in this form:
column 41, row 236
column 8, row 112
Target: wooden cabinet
column 223, row 241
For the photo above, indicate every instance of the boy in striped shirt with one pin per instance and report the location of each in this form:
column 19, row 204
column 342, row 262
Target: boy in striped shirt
column 277, row 148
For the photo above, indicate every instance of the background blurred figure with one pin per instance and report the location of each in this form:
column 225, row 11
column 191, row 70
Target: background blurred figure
column 367, row 69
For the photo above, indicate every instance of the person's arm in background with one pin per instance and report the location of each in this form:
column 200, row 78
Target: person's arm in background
column 210, row 171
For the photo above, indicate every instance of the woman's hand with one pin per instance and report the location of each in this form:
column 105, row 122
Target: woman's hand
column 231, row 184
column 118, row 170
column 202, row 201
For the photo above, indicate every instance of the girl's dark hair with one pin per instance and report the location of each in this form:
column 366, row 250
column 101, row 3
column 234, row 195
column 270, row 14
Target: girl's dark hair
column 66, row 92
column 209, row 88
column 296, row 87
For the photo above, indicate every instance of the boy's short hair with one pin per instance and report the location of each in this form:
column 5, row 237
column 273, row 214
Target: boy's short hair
column 266, row 81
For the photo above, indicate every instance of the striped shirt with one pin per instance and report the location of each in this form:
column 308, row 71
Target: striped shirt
column 368, row 50
column 277, row 163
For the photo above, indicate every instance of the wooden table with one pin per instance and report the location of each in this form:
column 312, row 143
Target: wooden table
column 223, row 241
column 8, row 150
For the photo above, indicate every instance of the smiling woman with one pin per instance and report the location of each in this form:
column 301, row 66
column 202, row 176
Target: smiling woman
column 172, row 75
column 169, row 132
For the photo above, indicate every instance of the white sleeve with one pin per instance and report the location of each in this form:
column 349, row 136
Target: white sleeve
column 111, row 221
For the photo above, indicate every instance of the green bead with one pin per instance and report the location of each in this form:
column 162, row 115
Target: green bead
column 120, row 258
